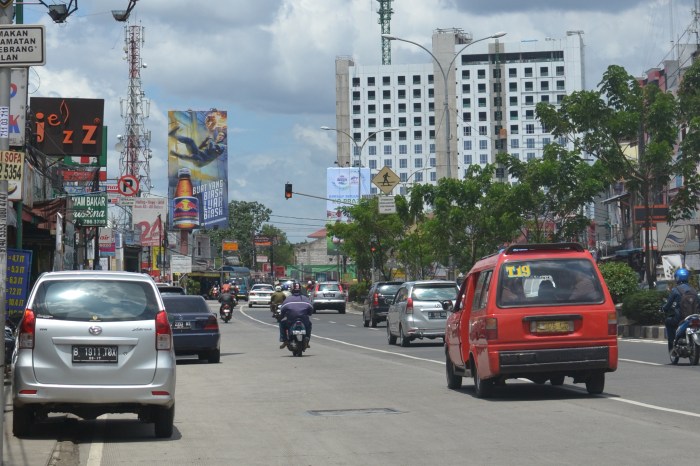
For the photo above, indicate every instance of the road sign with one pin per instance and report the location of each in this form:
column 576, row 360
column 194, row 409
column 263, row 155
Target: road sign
column 22, row 45
column 386, row 180
column 387, row 205
column 128, row 185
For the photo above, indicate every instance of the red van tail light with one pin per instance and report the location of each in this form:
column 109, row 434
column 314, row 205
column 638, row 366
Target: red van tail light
column 164, row 334
column 612, row 323
column 26, row 330
column 409, row 306
column 694, row 323
column 491, row 328
column 212, row 323
column 375, row 299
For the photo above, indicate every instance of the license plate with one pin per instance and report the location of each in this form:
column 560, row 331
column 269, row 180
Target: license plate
column 437, row 315
column 181, row 324
column 93, row 353
column 552, row 326
column 328, row 295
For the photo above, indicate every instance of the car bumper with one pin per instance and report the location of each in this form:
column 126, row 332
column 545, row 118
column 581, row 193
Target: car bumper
column 554, row 360
column 328, row 303
column 184, row 343
column 258, row 301
column 425, row 333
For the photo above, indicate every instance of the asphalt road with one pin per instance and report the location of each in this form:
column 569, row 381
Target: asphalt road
column 353, row 399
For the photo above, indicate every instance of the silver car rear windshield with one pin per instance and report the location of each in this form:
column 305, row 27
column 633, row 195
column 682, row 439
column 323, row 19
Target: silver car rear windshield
column 95, row 300
column 434, row 292
column 549, row 282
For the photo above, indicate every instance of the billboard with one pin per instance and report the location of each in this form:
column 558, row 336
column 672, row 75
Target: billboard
column 18, row 106
column 148, row 215
column 72, row 127
column 343, row 186
column 198, row 169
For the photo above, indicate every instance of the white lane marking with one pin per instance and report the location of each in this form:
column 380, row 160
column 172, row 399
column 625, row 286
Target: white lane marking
column 644, row 340
column 351, row 325
column 95, row 454
column 613, row 398
column 374, row 329
column 641, row 362
column 332, row 322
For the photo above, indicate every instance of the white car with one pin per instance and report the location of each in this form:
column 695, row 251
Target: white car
column 90, row 343
column 260, row 294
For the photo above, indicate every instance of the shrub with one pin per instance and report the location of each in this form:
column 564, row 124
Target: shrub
column 620, row 278
column 358, row 291
column 642, row 307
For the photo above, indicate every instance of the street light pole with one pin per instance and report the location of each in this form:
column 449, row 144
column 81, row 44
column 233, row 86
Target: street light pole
column 358, row 149
column 446, row 103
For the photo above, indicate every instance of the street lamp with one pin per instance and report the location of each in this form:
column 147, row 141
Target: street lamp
column 358, row 149
column 446, row 103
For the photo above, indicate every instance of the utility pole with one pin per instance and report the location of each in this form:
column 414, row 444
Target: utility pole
column 385, row 13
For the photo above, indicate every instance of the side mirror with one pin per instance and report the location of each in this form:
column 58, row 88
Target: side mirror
column 447, row 305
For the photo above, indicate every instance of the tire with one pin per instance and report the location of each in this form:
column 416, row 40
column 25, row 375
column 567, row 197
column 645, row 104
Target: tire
column 596, row 383
column 250, row 304
column 163, row 419
column 454, row 381
column 22, row 420
column 695, row 357
column 674, row 357
column 341, row 310
column 390, row 339
column 405, row 341
column 214, row 356
column 482, row 388
column 374, row 323
column 365, row 322
column 557, row 380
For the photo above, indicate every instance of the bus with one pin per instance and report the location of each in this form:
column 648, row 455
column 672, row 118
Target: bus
column 240, row 275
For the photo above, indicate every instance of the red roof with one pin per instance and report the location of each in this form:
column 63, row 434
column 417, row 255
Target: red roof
column 318, row 234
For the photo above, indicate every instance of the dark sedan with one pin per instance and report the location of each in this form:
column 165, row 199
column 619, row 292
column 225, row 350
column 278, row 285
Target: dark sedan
column 195, row 327
column 380, row 296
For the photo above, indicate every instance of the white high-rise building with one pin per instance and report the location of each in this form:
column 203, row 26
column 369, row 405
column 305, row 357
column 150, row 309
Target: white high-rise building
column 493, row 88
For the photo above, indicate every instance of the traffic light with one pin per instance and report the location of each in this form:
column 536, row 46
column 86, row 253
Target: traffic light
column 288, row 190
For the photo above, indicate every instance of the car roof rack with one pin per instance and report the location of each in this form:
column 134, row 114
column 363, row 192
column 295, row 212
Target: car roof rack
column 544, row 246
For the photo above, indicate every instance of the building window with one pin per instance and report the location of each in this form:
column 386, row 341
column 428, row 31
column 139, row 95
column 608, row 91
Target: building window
column 544, row 85
column 356, row 123
column 372, row 150
column 561, row 86
column 500, row 172
column 544, row 98
column 466, row 88
column 483, row 144
column 403, row 163
column 481, row 88
column 386, row 123
column 528, row 72
column 483, row 131
column 497, row 73
column 417, row 121
column 483, row 158
column 370, row 81
column 529, row 128
column 513, row 114
column 560, row 70
column 416, row 79
column 467, row 131
column 514, row 129
column 514, row 144
column 418, row 149
column 498, row 101
column 402, row 80
column 512, row 87
column 431, row 134
column 498, row 115
column 530, row 143
column 560, row 98
column 465, row 74
column 467, row 144
column 528, row 86
column 529, row 100
column 546, row 142
column 355, row 109
column 433, row 162
column 371, row 109
column 468, row 159
column 387, row 163
column 480, row 74
column 357, row 137
column 417, row 135
column 482, row 116
column 512, row 72
column 466, row 116
column 387, row 134
column 386, row 80
column 386, row 108
column 403, row 177
column 544, row 71
column 402, row 121
column 529, row 114
column 403, row 149
column 530, row 156
column 466, row 103
column 431, row 106
column 513, row 100
column 431, row 121
column 371, row 95
column 416, row 107
column 418, row 177
column 355, row 82
column 386, row 95
column 402, row 93
column 402, row 108
column 416, row 93
column 496, row 87
column 402, row 134
column 433, row 176
column 431, row 93
column 355, row 95
column 418, row 163
column 482, row 102
column 372, row 123
column 432, row 148
column 373, row 164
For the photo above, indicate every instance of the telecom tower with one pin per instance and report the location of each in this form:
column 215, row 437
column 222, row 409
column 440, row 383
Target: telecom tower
column 385, row 12
column 135, row 152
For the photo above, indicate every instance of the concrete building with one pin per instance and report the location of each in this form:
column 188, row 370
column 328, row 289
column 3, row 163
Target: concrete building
column 493, row 88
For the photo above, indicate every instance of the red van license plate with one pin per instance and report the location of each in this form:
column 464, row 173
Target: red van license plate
column 552, row 326
column 84, row 353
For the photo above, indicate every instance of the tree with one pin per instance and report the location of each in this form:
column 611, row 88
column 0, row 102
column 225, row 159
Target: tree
column 245, row 220
column 632, row 131
column 281, row 252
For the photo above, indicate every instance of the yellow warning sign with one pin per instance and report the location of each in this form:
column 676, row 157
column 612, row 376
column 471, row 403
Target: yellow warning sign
column 386, row 180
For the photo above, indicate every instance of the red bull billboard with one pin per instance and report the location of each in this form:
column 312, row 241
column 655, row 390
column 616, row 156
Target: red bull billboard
column 198, row 169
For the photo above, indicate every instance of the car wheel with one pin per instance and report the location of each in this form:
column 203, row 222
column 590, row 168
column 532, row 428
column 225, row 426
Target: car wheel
column 250, row 304
column 596, row 383
column 405, row 341
column 557, row 380
column 163, row 418
column 365, row 322
column 22, row 420
column 390, row 339
column 482, row 388
column 373, row 321
column 214, row 356
column 454, row 381
column 341, row 310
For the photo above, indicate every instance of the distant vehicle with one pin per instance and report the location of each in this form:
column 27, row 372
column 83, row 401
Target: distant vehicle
column 328, row 295
column 417, row 311
column 380, row 296
column 260, row 294
column 91, row 343
column 166, row 289
column 195, row 328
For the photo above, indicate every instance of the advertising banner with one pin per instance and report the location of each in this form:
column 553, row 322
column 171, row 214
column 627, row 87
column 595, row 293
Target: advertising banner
column 106, row 242
column 19, row 264
column 72, row 127
column 149, row 214
column 198, row 169
column 90, row 210
column 343, row 187
column 18, row 106
column 180, row 264
column 12, row 170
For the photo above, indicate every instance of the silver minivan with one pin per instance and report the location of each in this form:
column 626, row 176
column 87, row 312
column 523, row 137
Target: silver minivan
column 417, row 311
column 91, row 343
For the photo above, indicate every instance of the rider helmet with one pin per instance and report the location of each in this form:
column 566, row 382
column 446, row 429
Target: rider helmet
column 296, row 288
column 681, row 275
column 278, row 288
column 226, row 288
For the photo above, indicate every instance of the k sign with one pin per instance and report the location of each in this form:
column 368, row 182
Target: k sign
column 68, row 126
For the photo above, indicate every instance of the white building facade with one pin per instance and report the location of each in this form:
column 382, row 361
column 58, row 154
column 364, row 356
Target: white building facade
column 493, row 88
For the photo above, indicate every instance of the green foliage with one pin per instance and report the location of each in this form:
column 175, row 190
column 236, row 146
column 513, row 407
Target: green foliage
column 358, row 292
column 642, row 307
column 620, row 278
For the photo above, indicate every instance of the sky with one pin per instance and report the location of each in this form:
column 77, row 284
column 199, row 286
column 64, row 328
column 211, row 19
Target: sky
column 271, row 65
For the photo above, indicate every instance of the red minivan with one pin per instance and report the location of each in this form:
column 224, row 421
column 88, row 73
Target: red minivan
column 535, row 311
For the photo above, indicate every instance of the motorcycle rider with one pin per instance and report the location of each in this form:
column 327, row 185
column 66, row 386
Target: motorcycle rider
column 296, row 306
column 672, row 308
column 226, row 297
column 277, row 298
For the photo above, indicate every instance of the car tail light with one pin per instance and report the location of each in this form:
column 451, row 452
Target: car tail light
column 212, row 323
column 491, row 328
column 26, row 330
column 694, row 323
column 375, row 299
column 164, row 334
column 409, row 306
column 612, row 323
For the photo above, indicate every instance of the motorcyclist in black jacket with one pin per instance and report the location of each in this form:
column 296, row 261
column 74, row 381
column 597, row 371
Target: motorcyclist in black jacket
column 226, row 297
column 296, row 306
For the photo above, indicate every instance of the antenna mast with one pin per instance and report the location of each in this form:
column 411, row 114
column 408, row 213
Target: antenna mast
column 385, row 12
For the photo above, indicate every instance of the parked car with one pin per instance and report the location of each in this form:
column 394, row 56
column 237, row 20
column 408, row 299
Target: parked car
column 90, row 343
column 328, row 295
column 380, row 296
column 260, row 294
column 535, row 311
column 195, row 327
column 166, row 289
column 417, row 311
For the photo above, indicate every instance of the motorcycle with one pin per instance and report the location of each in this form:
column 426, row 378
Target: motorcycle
column 214, row 292
column 226, row 313
column 275, row 309
column 297, row 340
column 687, row 342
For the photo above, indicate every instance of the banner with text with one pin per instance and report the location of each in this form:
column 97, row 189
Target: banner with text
column 343, row 187
column 149, row 214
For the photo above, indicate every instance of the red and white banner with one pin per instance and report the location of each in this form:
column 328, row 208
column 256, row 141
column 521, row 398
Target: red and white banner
column 145, row 214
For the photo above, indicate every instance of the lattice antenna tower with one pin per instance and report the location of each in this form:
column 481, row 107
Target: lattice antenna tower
column 385, row 12
column 136, row 154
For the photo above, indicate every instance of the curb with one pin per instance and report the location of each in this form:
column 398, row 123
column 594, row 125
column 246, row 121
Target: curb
column 652, row 332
